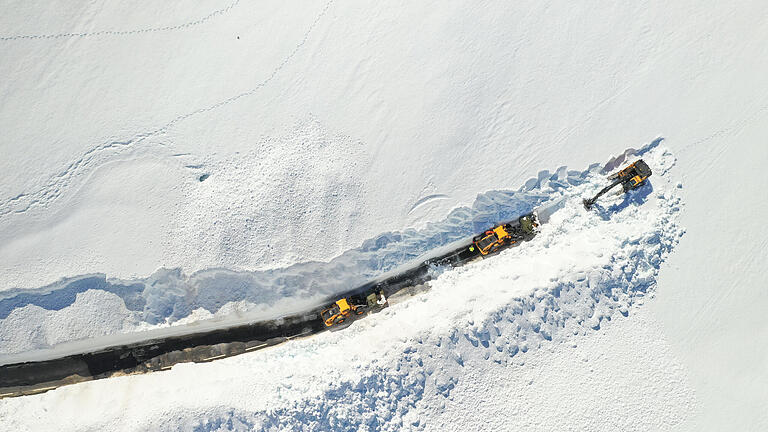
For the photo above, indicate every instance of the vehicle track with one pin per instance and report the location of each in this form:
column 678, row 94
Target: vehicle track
column 169, row 28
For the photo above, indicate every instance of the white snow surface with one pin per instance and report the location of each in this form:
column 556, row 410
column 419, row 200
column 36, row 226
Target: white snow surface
column 406, row 367
column 170, row 162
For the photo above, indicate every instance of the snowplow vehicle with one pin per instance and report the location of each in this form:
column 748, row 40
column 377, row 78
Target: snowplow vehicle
column 506, row 235
column 629, row 178
column 339, row 312
column 346, row 309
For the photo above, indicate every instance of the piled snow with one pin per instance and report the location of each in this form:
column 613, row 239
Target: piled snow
column 402, row 368
column 170, row 297
column 112, row 113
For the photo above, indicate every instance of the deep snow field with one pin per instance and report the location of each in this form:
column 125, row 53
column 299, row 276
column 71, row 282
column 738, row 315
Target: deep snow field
column 170, row 165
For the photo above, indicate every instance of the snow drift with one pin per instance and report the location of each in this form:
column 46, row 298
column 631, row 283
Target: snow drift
column 62, row 312
column 381, row 114
column 584, row 269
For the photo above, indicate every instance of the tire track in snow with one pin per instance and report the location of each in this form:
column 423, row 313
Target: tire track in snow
column 426, row 199
column 105, row 152
column 184, row 26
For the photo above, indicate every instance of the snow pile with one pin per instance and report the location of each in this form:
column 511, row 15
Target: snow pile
column 112, row 114
column 391, row 370
column 170, row 297
column 580, row 272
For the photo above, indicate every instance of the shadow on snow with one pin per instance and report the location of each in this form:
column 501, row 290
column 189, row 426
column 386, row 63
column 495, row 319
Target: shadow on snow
column 169, row 294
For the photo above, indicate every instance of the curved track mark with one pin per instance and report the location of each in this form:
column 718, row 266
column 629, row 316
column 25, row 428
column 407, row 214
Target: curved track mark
column 126, row 32
column 427, row 199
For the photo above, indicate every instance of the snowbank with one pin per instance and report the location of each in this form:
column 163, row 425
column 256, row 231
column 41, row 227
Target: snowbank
column 115, row 112
column 390, row 371
column 169, row 297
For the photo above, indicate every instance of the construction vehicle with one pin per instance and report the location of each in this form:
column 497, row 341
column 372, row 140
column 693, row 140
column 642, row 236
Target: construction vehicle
column 505, row 235
column 372, row 299
column 629, row 178
column 346, row 309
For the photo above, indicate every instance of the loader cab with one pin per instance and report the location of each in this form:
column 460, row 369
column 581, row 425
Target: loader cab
column 337, row 313
column 491, row 240
column 486, row 242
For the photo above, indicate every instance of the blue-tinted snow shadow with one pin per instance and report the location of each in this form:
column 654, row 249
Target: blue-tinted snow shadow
column 632, row 198
column 617, row 161
column 169, row 294
column 63, row 293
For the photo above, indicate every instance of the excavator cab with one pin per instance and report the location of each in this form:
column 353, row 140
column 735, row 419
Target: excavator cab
column 635, row 175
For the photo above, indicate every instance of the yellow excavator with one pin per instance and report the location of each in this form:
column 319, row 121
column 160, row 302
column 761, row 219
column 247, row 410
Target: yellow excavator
column 629, row 178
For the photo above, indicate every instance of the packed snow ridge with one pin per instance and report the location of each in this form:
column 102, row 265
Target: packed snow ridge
column 90, row 306
column 384, row 372
column 64, row 310
column 583, row 269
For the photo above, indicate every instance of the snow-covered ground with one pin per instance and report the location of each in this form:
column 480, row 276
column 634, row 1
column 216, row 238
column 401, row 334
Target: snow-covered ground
column 200, row 157
column 423, row 361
